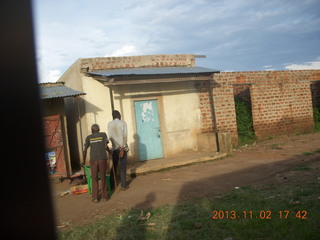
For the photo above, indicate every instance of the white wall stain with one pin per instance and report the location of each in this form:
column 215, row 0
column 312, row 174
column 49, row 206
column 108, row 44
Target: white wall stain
column 147, row 112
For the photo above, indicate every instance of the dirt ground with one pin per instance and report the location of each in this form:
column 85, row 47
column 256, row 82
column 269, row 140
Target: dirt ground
column 260, row 164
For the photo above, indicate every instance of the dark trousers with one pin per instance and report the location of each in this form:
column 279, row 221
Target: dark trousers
column 123, row 166
column 96, row 167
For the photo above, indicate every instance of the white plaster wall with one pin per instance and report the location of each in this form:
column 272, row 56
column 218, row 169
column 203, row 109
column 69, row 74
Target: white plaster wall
column 73, row 79
column 178, row 112
column 182, row 119
column 97, row 102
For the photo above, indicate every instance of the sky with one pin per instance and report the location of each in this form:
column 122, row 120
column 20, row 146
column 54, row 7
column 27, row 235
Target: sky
column 234, row 35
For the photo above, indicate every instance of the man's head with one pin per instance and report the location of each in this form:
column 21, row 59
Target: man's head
column 116, row 114
column 95, row 128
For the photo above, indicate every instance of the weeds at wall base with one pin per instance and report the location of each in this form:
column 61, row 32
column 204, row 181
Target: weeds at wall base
column 246, row 133
column 316, row 119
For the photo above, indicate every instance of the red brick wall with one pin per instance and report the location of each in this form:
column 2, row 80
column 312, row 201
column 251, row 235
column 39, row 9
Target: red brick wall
column 205, row 107
column 282, row 108
column 225, row 108
column 223, row 105
column 174, row 60
column 281, row 101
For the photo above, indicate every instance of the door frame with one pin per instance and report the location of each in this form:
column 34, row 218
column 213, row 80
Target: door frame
column 163, row 129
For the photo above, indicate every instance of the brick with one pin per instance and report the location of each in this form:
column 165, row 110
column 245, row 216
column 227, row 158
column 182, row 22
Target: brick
column 277, row 97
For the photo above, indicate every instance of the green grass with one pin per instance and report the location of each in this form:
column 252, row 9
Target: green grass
column 304, row 167
column 310, row 153
column 276, row 147
column 307, row 153
column 193, row 219
column 316, row 119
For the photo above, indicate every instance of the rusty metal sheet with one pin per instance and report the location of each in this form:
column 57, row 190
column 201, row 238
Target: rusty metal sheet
column 54, row 142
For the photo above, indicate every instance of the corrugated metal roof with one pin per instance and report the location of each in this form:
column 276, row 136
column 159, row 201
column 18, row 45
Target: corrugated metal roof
column 57, row 90
column 151, row 71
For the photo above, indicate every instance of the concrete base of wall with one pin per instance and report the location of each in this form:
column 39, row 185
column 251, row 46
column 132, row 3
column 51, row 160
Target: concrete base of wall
column 206, row 142
column 225, row 143
column 176, row 161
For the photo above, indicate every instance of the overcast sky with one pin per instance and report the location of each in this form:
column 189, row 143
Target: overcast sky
column 235, row 35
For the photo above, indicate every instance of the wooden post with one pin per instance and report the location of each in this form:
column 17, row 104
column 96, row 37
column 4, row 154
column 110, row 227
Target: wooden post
column 111, row 98
column 213, row 112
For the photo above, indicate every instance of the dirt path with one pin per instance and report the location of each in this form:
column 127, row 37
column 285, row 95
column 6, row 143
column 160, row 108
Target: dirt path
column 261, row 163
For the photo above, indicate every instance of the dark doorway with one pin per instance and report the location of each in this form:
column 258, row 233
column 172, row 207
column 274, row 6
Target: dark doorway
column 244, row 119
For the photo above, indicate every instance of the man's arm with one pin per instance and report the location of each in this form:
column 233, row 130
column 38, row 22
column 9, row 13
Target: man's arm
column 84, row 156
column 107, row 146
column 86, row 146
column 125, row 134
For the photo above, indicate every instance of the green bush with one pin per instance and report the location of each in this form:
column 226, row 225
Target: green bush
column 316, row 119
column 244, row 121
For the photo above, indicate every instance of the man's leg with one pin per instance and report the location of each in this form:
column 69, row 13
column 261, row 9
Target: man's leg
column 94, row 165
column 115, row 161
column 102, row 170
column 123, row 169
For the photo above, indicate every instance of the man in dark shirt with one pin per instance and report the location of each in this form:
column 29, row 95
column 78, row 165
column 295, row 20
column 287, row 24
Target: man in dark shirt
column 98, row 143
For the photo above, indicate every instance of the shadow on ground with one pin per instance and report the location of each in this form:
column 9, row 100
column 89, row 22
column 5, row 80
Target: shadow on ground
column 182, row 223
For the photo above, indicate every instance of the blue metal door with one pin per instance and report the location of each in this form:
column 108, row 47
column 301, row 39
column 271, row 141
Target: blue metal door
column 148, row 129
